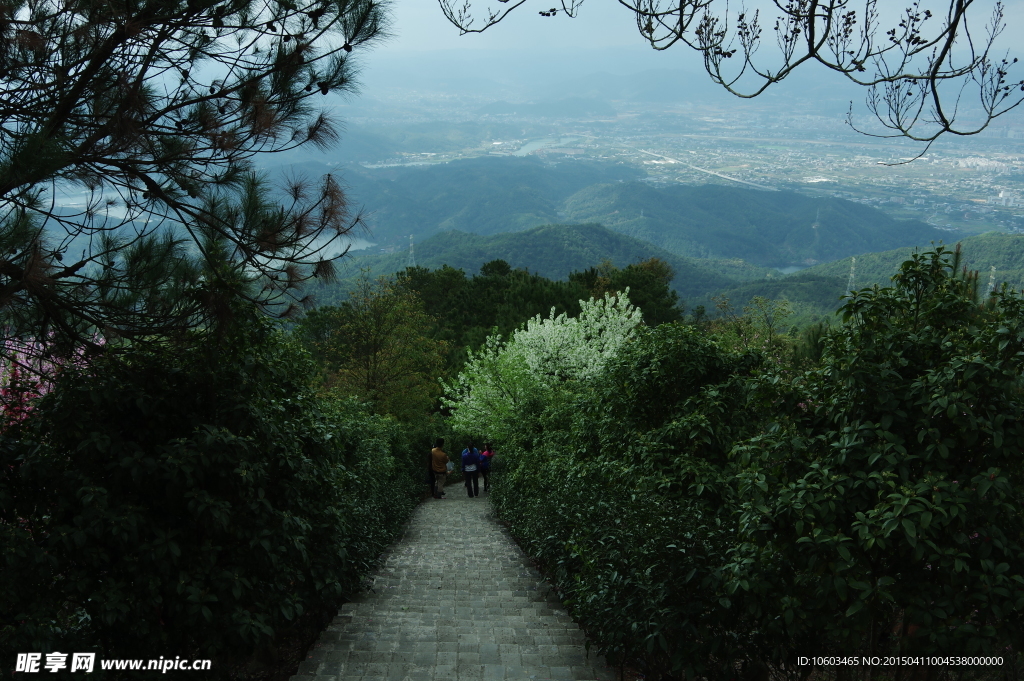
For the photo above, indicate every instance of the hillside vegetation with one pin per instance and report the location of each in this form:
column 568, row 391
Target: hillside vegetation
column 817, row 291
column 553, row 251
column 482, row 196
column 715, row 510
column 772, row 229
column 488, row 196
column 1005, row 252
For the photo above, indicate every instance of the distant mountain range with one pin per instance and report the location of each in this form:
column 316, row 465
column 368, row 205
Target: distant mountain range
column 493, row 195
column 719, row 239
column 479, row 196
column 773, row 229
column 817, row 291
column 554, row 251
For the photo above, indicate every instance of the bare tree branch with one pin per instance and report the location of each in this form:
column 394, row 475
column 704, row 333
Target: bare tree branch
column 920, row 73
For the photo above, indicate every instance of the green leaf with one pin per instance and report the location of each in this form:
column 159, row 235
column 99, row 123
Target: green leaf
column 984, row 487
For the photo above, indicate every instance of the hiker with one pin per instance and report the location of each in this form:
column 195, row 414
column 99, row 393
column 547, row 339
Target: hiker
column 485, row 465
column 431, row 482
column 470, row 469
column 439, row 464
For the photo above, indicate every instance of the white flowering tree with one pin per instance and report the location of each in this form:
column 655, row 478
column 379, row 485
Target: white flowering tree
column 506, row 385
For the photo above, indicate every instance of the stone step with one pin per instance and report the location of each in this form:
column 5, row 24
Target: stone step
column 456, row 599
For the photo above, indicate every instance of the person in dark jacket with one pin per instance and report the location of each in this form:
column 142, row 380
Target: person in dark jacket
column 431, row 482
column 485, row 465
column 471, row 469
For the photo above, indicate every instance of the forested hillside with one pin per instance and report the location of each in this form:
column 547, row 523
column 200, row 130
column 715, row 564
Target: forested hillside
column 494, row 195
column 482, row 196
column 773, row 229
column 817, row 291
column 553, row 251
column 1005, row 252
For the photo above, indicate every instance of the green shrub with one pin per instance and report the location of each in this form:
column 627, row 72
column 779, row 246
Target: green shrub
column 190, row 499
column 625, row 498
column 884, row 513
column 710, row 515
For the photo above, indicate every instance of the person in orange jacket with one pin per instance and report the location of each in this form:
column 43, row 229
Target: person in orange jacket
column 439, row 464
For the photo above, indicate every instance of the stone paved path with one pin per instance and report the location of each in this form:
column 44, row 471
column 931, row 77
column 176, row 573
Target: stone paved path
column 455, row 599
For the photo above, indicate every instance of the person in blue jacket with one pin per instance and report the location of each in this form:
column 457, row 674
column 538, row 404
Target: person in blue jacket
column 471, row 469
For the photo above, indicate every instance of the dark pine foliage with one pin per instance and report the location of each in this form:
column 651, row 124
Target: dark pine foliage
column 193, row 499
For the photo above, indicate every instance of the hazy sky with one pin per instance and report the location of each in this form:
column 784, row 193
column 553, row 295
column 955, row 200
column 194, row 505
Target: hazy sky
column 603, row 38
column 420, row 25
column 532, row 58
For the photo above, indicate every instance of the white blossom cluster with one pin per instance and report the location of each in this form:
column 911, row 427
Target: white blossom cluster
column 504, row 384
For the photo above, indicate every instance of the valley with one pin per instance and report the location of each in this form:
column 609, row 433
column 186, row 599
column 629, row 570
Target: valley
column 768, row 197
column 721, row 240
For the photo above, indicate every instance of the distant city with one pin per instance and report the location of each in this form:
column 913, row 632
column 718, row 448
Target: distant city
column 965, row 185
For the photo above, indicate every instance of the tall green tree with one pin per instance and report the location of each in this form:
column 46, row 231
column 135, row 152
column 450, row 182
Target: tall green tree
column 377, row 345
column 648, row 283
column 468, row 309
column 152, row 110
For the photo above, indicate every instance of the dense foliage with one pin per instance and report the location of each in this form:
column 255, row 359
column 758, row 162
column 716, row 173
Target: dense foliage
column 714, row 511
column 465, row 310
column 647, row 282
column 194, row 498
column 152, row 111
column 377, row 346
column 883, row 511
column 505, row 387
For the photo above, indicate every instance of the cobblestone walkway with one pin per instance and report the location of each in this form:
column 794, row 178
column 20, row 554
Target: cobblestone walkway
column 455, row 599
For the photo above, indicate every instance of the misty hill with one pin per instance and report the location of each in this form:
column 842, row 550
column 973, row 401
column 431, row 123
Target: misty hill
column 817, row 291
column 1003, row 251
column 492, row 195
column 772, row 229
column 480, row 196
column 553, row 251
